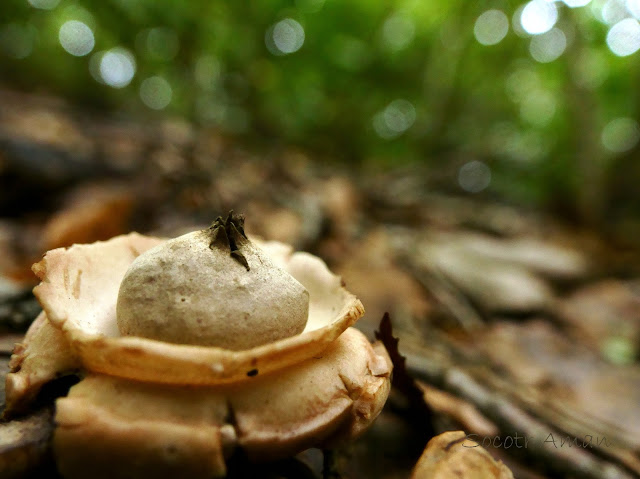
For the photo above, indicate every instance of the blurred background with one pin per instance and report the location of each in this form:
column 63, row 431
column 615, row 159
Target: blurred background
column 534, row 103
column 470, row 167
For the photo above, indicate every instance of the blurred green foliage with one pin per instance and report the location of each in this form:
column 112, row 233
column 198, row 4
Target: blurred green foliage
column 374, row 82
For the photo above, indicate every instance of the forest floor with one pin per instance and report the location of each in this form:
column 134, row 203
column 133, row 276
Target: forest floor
column 513, row 323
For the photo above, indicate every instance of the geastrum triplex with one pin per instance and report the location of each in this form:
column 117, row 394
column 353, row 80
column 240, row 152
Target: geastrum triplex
column 193, row 348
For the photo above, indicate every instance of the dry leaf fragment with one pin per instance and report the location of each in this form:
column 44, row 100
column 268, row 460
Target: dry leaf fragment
column 452, row 456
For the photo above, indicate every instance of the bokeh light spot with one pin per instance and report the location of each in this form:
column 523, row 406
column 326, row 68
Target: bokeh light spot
column 576, row 3
column 395, row 119
column 491, row 27
column 516, row 24
column 398, row 32
column 521, row 146
column 623, row 38
column 538, row 16
column 207, row 72
column 349, row 52
column 156, row 92
column 538, row 108
column 117, row 67
column 286, row 36
column 521, row 83
column 474, row 176
column 76, row 38
column 44, row 4
column 400, row 115
column 549, row 46
column 612, row 12
column 619, row 350
column 592, row 69
column 634, row 7
column 620, row 135
column 161, row 43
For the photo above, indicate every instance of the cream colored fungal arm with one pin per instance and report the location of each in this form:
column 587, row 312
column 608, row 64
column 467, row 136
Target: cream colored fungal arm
column 43, row 355
column 79, row 285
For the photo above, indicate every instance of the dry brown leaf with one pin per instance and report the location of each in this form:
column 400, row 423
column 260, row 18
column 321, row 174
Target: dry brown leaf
column 452, row 456
column 383, row 286
column 463, row 412
column 96, row 212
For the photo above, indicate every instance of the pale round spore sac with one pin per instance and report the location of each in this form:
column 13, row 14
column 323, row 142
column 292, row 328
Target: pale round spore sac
column 187, row 292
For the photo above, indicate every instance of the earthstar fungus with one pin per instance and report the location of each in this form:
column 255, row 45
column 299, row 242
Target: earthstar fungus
column 178, row 403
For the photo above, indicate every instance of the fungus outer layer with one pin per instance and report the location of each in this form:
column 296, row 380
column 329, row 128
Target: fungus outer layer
column 41, row 357
column 167, row 430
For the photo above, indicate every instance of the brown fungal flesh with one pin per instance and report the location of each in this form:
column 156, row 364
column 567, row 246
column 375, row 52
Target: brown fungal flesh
column 164, row 429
